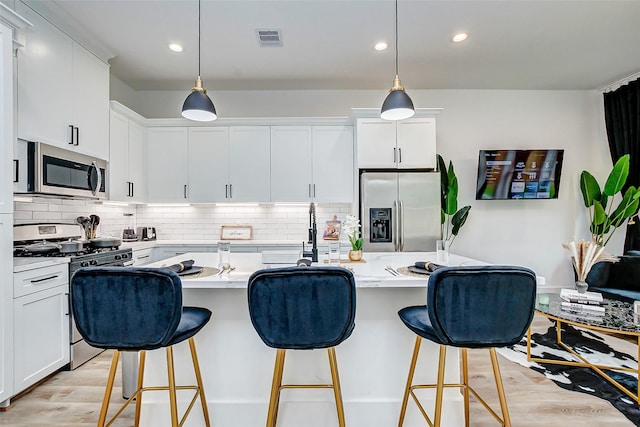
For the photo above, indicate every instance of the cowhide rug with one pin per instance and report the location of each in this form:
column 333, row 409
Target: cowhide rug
column 595, row 348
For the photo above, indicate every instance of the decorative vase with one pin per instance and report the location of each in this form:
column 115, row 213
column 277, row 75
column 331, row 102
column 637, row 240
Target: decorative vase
column 581, row 286
column 355, row 256
column 442, row 252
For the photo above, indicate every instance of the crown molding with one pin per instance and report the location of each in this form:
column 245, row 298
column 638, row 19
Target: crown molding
column 59, row 18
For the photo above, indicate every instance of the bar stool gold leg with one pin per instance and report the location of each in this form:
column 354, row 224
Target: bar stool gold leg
column 276, row 384
column 337, row 391
column 440, row 385
column 141, row 364
column 465, row 381
column 196, row 368
column 108, row 388
column 412, row 369
column 172, row 388
column 498, row 377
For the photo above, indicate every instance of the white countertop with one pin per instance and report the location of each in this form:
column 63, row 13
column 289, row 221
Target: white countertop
column 370, row 273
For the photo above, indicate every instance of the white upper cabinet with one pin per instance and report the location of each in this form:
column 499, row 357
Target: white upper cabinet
column 291, row 174
column 90, row 103
column 127, row 167
column 138, row 161
column 332, row 164
column 406, row 144
column 63, row 90
column 312, row 163
column 7, row 169
column 167, row 164
column 249, row 166
column 208, row 164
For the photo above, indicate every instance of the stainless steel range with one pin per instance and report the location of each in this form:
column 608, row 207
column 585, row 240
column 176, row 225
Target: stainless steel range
column 64, row 240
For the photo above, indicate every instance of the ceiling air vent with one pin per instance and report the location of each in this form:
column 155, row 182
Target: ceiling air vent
column 269, row 38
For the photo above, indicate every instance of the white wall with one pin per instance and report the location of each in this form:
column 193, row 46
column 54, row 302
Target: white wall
column 525, row 232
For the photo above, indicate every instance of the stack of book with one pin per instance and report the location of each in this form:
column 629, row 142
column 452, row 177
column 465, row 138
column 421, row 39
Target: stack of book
column 588, row 303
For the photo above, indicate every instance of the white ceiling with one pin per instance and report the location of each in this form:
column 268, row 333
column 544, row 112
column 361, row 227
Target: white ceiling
column 328, row 44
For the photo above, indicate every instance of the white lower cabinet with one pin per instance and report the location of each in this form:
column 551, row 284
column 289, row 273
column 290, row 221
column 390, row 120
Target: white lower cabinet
column 142, row 256
column 6, row 309
column 163, row 252
column 41, row 335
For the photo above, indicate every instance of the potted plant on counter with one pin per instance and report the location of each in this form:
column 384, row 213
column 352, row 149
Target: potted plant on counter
column 451, row 218
column 603, row 218
column 351, row 227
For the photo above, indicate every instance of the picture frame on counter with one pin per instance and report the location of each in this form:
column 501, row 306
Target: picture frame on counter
column 236, row 232
column 332, row 229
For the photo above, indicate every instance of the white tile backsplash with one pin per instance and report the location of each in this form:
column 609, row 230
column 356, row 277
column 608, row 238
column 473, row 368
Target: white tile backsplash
column 196, row 222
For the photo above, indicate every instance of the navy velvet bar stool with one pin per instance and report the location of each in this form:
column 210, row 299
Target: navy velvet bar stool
column 138, row 309
column 302, row 308
column 470, row 307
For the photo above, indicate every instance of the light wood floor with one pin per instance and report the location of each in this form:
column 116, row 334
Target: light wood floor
column 73, row 398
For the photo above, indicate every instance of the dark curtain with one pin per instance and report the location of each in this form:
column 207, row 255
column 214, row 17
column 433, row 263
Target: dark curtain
column 622, row 119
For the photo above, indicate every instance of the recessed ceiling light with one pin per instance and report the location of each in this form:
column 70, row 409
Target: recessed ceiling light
column 175, row 47
column 460, row 37
column 380, row 46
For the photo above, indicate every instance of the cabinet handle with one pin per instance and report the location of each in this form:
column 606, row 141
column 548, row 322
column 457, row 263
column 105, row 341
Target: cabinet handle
column 131, row 189
column 185, row 191
column 44, row 279
column 143, row 257
column 76, row 132
column 399, row 155
column 226, row 191
column 394, row 155
column 231, row 191
column 16, row 168
column 68, row 303
column 309, row 190
column 70, row 134
column 314, row 190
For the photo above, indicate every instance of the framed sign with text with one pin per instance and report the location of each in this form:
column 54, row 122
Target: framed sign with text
column 236, row 232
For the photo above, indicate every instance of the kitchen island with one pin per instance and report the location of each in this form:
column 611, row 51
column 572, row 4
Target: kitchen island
column 237, row 367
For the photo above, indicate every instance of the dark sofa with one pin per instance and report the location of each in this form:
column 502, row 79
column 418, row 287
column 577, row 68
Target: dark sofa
column 618, row 280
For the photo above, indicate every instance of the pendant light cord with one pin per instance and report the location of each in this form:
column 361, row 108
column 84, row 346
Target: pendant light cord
column 199, row 29
column 396, row 37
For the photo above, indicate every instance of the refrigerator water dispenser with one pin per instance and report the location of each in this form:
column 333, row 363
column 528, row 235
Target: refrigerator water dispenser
column 380, row 220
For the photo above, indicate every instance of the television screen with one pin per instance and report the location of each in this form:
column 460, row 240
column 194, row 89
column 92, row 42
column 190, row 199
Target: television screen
column 519, row 174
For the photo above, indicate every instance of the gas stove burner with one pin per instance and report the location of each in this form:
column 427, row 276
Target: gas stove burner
column 53, row 251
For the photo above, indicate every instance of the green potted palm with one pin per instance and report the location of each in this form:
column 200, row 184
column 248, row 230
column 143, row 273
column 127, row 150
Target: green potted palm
column 451, row 218
column 604, row 219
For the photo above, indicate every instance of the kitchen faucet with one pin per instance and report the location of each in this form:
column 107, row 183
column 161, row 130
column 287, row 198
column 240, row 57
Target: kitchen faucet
column 313, row 235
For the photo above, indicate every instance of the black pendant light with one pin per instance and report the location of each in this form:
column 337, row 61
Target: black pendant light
column 198, row 105
column 397, row 105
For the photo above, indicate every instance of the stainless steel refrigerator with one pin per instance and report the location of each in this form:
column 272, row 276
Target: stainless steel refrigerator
column 400, row 210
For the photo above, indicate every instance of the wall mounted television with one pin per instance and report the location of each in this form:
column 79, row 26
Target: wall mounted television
column 519, row 174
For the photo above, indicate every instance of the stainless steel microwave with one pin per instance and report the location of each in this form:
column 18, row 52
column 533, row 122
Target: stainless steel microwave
column 45, row 169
